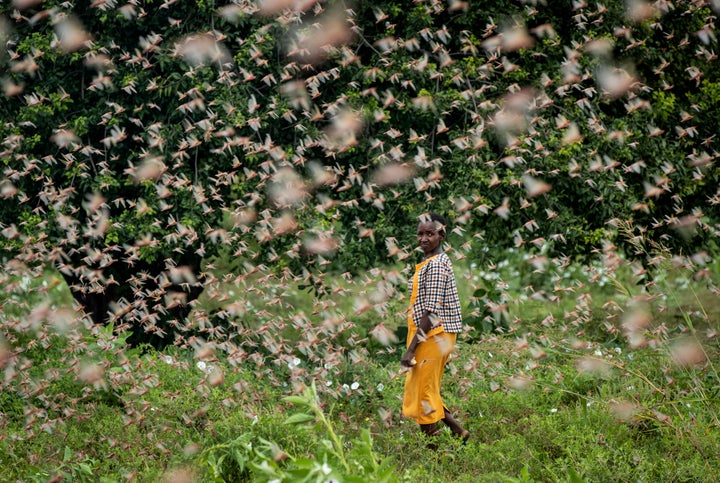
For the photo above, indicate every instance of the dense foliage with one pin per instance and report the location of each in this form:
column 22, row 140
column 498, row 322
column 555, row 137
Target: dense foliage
column 144, row 139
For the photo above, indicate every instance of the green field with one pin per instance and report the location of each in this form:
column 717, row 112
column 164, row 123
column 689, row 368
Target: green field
column 594, row 374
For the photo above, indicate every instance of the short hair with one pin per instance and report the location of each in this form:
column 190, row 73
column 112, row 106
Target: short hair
column 439, row 219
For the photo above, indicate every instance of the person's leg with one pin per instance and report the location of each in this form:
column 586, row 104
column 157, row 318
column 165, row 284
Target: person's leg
column 454, row 426
column 452, row 423
column 430, row 430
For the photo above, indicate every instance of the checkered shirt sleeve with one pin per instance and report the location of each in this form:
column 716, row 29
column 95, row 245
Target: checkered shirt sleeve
column 438, row 294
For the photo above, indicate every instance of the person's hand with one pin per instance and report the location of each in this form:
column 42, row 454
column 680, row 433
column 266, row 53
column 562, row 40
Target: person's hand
column 408, row 359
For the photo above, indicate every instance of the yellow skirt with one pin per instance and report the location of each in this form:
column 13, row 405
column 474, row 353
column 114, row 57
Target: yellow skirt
column 421, row 400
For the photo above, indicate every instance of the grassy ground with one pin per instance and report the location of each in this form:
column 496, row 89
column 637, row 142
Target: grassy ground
column 589, row 381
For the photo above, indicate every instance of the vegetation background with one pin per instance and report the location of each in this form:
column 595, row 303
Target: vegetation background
column 207, row 227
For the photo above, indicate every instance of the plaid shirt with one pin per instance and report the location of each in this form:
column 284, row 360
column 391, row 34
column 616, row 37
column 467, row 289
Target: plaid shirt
column 438, row 294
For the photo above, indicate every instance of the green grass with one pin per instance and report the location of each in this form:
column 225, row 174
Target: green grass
column 559, row 395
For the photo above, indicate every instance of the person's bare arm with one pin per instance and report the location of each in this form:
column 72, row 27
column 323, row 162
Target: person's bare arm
column 424, row 326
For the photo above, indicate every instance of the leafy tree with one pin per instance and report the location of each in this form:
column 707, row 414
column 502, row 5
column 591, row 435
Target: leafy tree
column 141, row 142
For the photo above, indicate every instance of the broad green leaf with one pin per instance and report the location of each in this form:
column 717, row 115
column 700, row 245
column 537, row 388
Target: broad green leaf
column 300, row 418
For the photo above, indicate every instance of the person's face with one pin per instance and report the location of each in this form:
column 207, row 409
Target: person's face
column 429, row 236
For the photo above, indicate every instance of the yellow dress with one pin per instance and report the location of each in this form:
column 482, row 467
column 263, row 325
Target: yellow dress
column 421, row 399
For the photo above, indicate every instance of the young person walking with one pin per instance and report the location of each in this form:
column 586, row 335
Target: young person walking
column 434, row 320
